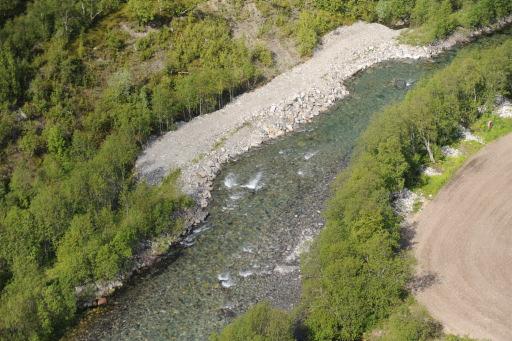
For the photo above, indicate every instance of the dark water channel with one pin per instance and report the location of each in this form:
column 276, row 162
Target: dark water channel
column 265, row 207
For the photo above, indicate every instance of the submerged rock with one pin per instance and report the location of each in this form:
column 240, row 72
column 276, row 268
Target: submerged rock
column 246, row 273
column 225, row 279
column 101, row 301
column 309, row 155
column 226, row 312
column 223, row 276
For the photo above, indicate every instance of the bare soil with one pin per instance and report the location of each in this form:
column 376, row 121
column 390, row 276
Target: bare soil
column 463, row 245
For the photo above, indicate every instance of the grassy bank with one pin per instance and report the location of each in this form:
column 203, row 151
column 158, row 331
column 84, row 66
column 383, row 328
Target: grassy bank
column 355, row 275
column 448, row 166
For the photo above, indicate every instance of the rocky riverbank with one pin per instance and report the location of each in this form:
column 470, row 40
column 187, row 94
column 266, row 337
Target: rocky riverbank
column 200, row 147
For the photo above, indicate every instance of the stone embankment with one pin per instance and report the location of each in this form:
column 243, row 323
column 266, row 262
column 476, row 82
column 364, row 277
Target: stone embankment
column 200, row 147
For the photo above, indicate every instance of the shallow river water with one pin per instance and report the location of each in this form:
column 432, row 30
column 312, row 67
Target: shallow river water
column 265, row 207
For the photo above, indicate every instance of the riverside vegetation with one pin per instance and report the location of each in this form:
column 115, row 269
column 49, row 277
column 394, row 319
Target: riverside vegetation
column 83, row 84
column 356, row 274
column 72, row 123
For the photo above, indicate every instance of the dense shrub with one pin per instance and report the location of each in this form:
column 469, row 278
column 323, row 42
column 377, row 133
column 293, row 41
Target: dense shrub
column 430, row 19
column 10, row 8
column 71, row 211
column 72, row 123
column 364, row 9
column 8, row 127
column 394, row 11
column 408, row 322
column 208, row 64
column 73, row 119
column 260, row 323
column 435, row 19
column 146, row 11
column 310, row 27
column 9, row 78
column 485, row 12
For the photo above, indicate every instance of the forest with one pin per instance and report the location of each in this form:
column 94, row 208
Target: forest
column 81, row 93
column 355, row 275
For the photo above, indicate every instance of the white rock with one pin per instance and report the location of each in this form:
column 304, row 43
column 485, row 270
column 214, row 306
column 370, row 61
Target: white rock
column 449, row 151
column 230, row 181
column 467, row 135
column 309, row 155
column 223, row 276
column 404, row 201
column 504, row 110
column 430, row 171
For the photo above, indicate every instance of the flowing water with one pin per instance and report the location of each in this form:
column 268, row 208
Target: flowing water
column 266, row 206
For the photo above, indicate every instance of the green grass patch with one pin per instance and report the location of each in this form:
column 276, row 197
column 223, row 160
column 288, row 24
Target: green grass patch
column 220, row 143
column 431, row 185
column 501, row 127
column 198, row 158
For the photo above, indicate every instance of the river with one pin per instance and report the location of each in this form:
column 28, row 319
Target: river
column 265, row 207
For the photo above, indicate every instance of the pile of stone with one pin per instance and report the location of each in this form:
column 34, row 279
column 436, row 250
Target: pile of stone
column 405, row 200
column 449, row 151
column 503, row 107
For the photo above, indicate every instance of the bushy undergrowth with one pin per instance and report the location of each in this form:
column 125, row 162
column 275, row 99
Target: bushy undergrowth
column 260, row 323
column 429, row 20
column 408, row 322
column 431, row 185
column 434, row 20
column 73, row 118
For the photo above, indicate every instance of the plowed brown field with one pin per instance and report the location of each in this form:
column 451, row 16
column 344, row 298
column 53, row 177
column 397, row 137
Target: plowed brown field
column 463, row 244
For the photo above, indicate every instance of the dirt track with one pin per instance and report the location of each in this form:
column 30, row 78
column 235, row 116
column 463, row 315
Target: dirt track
column 464, row 247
